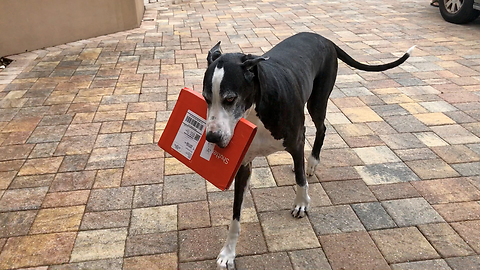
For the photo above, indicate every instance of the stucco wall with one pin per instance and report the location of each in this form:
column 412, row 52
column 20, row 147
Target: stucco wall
column 27, row 25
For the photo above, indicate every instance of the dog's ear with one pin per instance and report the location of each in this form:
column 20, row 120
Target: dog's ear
column 214, row 53
column 250, row 63
column 253, row 61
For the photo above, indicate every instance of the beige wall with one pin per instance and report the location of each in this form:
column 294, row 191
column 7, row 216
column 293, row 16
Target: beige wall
column 27, row 25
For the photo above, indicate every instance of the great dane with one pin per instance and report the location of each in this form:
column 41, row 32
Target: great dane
column 271, row 91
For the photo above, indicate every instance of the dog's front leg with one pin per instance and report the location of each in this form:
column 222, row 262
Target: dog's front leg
column 226, row 258
column 302, row 200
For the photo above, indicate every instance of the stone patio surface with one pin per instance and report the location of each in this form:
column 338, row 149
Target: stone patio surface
column 83, row 184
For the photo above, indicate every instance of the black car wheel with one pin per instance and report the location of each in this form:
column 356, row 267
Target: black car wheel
column 458, row 11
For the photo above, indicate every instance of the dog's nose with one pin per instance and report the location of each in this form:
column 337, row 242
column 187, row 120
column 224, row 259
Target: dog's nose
column 213, row 137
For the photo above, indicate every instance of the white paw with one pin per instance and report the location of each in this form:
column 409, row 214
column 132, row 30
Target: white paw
column 311, row 166
column 299, row 211
column 226, row 259
column 301, row 202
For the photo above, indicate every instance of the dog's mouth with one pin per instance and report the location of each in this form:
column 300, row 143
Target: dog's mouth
column 222, row 145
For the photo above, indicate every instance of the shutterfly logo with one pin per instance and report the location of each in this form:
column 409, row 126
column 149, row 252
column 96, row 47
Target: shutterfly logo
column 220, row 156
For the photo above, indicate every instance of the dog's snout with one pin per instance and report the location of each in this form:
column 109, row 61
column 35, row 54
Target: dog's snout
column 214, row 137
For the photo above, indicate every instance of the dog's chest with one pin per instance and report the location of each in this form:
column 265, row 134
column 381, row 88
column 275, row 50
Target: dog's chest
column 263, row 144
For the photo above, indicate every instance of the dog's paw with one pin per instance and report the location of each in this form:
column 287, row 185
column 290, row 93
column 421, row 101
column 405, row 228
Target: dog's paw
column 299, row 211
column 302, row 200
column 226, row 259
column 310, row 170
column 311, row 166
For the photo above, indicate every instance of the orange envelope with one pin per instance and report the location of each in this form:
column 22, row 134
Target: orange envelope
column 184, row 138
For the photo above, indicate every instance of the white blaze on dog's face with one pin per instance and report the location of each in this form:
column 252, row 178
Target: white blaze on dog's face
column 222, row 114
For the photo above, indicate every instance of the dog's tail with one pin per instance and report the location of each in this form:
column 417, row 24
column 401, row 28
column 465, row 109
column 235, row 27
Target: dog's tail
column 342, row 55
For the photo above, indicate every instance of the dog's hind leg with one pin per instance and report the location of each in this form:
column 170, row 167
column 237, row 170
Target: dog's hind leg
column 317, row 107
column 314, row 158
column 226, row 258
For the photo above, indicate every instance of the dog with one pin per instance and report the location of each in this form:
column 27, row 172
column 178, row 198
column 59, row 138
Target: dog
column 271, row 91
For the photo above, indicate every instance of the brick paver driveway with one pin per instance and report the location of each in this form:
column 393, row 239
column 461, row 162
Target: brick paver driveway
column 84, row 186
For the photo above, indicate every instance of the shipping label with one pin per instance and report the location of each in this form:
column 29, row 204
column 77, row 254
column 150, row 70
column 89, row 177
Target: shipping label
column 189, row 134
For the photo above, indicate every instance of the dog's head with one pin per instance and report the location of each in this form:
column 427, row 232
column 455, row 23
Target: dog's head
column 228, row 89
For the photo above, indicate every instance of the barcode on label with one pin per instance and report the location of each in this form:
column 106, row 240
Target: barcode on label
column 189, row 134
column 194, row 122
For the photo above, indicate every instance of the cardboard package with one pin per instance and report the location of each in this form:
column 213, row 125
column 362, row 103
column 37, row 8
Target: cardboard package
column 184, row 138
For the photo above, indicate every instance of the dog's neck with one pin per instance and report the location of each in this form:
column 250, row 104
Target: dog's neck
column 249, row 112
column 257, row 91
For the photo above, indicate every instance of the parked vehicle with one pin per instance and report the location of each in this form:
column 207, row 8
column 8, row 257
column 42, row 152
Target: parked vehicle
column 459, row 11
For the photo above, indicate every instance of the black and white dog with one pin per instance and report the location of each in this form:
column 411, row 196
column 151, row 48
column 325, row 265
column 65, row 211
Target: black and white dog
column 271, row 91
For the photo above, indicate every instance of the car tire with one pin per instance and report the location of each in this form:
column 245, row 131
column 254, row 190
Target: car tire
column 458, row 11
